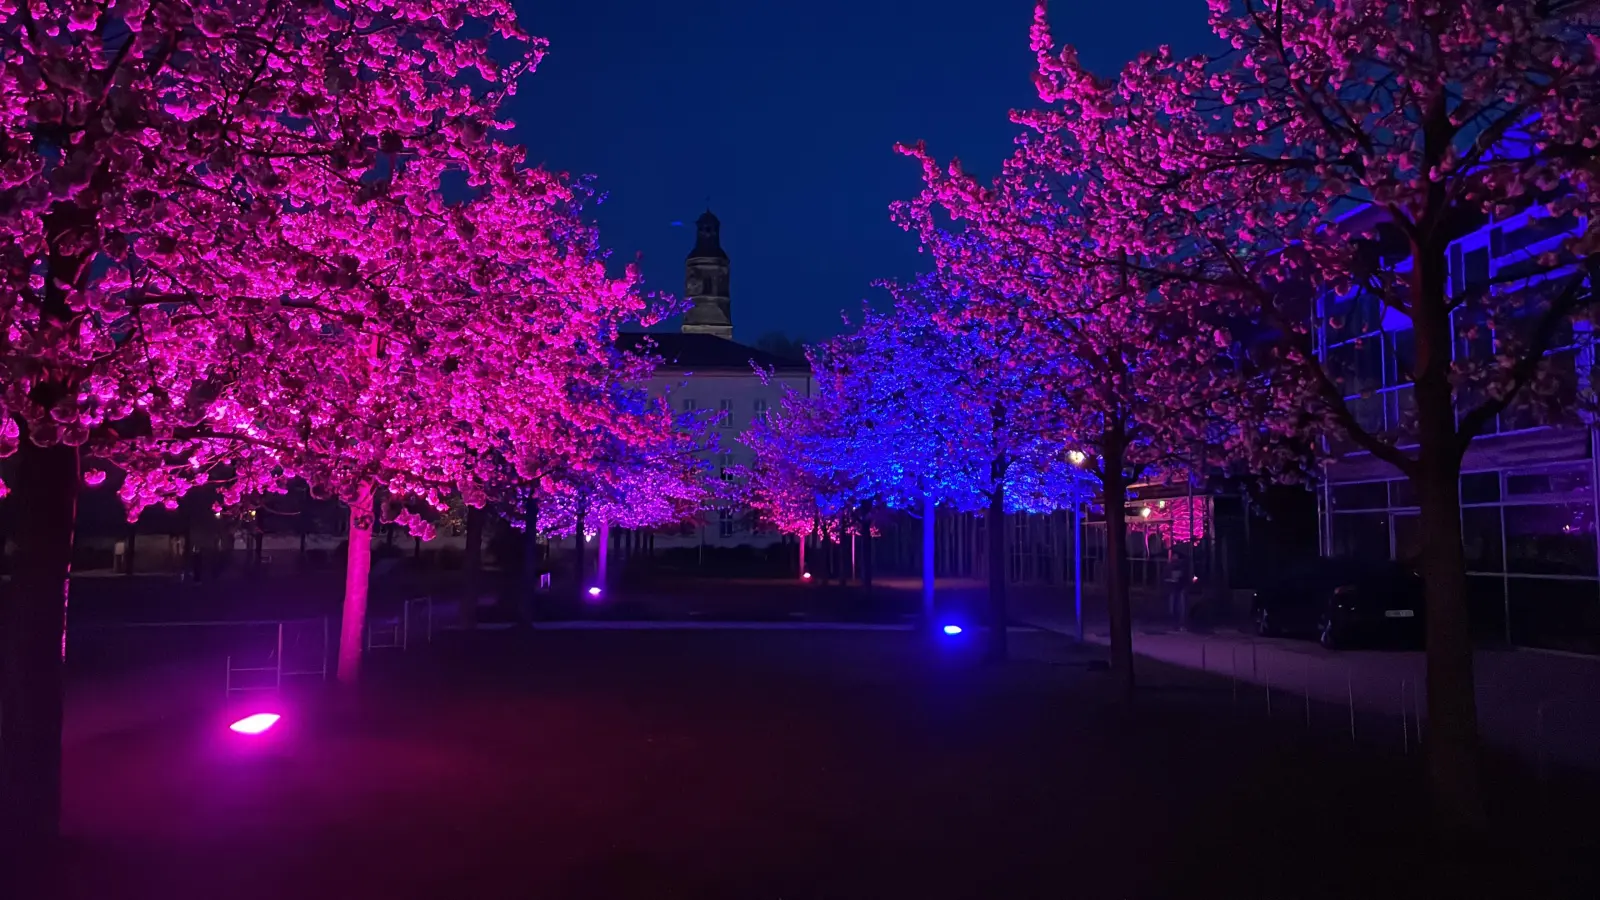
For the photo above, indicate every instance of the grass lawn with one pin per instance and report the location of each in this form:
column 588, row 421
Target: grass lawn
column 757, row 764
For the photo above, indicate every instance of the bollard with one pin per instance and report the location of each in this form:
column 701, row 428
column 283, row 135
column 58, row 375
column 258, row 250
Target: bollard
column 1255, row 671
column 1350, row 697
column 1203, row 656
column 1268, row 680
column 1233, row 673
column 1308, row 694
column 1416, row 713
column 1405, row 730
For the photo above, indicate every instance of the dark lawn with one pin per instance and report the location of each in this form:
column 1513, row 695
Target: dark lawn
column 624, row 764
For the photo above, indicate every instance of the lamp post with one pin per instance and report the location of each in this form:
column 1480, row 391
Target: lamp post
column 1076, row 456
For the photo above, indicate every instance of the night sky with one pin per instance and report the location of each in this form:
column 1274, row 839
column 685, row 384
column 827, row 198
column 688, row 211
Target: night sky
column 785, row 114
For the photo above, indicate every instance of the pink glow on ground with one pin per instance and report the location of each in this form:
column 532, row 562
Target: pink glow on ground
column 255, row 724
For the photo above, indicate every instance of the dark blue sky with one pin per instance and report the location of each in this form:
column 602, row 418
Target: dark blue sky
column 785, row 113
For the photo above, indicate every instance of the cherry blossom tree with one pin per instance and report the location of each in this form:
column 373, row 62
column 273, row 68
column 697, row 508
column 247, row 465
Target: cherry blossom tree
column 646, row 469
column 1135, row 385
column 797, row 484
column 165, row 169
column 925, row 405
column 1331, row 158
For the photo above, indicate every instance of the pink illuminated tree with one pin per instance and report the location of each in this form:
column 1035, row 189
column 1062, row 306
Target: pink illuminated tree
column 644, row 468
column 176, row 178
column 465, row 331
column 1325, row 166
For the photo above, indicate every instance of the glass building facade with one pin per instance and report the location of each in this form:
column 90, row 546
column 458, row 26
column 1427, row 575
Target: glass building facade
column 1528, row 487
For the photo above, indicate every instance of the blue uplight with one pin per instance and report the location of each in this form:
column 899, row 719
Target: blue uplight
column 952, row 629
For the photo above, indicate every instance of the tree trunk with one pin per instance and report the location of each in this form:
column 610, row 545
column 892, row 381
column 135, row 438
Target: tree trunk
column 602, row 565
column 997, row 649
column 866, row 547
column 841, row 552
column 579, row 559
column 1452, row 737
column 1117, row 607
column 802, row 573
column 358, row 566
column 33, row 640
column 930, row 513
column 532, row 560
column 472, row 569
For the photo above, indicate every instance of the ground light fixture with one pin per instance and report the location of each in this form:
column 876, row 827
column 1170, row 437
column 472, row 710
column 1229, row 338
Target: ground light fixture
column 952, row 629
column 594, row 591
column 254, row 724
column 805, row 576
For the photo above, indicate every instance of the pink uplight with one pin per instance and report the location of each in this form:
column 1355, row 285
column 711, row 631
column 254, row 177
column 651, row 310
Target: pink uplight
column 255, row 724
column 594, row 592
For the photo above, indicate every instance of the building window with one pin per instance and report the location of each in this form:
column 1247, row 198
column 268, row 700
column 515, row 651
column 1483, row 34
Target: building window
column 1480, row 487
column 688, row 405
column 1550, row 540
column 725, row 523
column 725, row 464
column 1365, row 495
column 725, row 413
column 761, row 409
column 1362, row 536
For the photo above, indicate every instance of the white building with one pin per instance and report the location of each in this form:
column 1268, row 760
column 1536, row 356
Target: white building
column 703, row 368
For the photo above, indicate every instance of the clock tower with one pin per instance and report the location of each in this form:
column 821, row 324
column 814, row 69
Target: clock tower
column 706, row 282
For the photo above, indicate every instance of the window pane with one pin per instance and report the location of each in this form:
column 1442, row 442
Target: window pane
column 1361, row 536
column 1480, row 487
column 1476, row 264
column 1550, row 540
column 1368, row 412
column 1370, row 495
column 1400, row 411
column 1474, row 337
column 1401, row 357
column 1565, row 485
column 1359, row 315
column 1536, row 229
column 1480, row 538
column 1550, row 399
column 1357, row 366
column 1401, row 493
column 1408, row 538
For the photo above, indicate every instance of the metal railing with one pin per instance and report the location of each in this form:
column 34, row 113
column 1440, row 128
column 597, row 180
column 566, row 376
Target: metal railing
column 290, row 636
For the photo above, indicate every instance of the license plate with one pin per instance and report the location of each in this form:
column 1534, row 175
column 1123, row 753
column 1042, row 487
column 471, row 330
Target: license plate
column 1399, row 613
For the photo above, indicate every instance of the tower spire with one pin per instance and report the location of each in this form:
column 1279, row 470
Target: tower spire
column 706, row 281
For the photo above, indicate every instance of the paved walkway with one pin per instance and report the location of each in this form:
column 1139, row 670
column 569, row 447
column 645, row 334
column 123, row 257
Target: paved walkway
column 1542, row 706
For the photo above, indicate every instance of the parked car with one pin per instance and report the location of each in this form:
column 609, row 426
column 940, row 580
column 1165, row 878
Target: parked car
column 1343, row 603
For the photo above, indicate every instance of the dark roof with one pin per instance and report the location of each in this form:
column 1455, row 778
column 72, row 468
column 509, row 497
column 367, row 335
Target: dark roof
column 705, row 353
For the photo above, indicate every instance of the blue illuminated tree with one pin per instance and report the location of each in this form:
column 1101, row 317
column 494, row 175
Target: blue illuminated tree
column 920, row 407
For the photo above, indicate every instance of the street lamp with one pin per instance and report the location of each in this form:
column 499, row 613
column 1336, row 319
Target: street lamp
column 1077, row 457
